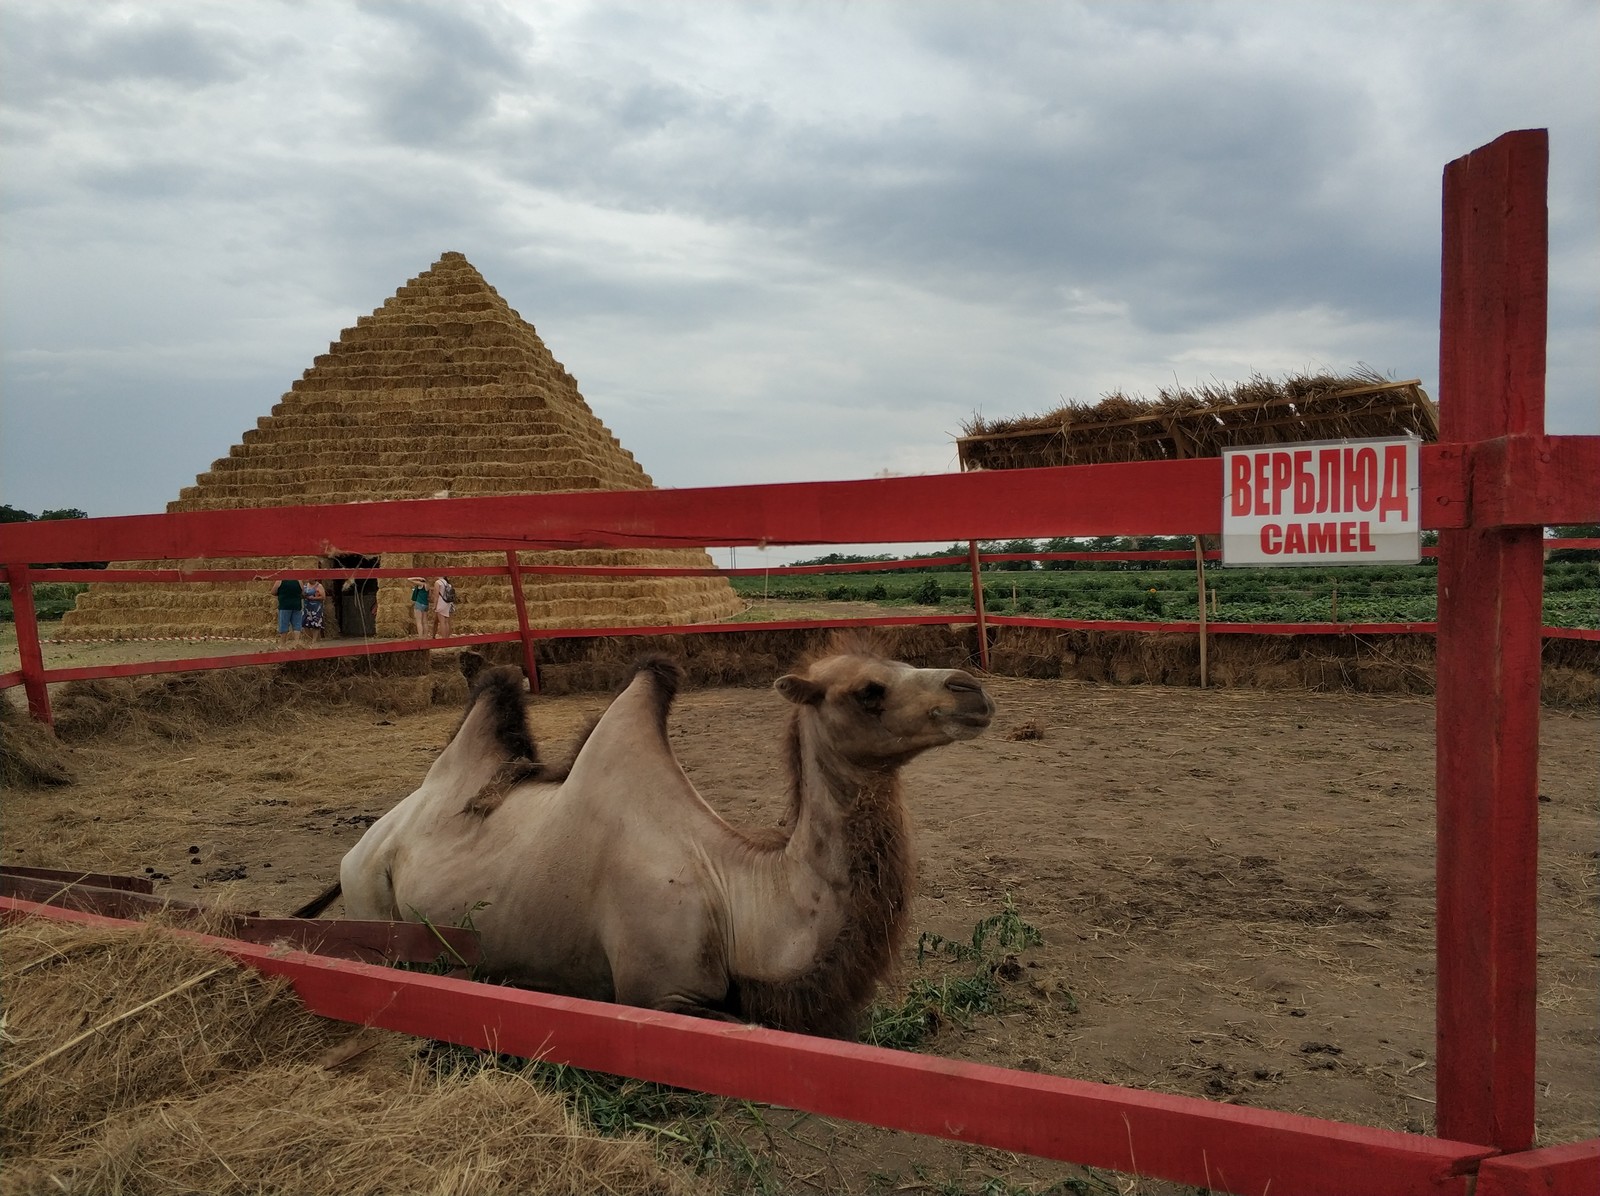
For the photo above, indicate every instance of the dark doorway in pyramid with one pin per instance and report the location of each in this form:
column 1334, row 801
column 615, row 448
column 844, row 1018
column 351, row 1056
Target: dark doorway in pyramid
column 355, row 602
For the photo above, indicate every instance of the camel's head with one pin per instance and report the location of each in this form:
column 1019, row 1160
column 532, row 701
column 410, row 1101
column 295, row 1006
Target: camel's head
column 874, row 711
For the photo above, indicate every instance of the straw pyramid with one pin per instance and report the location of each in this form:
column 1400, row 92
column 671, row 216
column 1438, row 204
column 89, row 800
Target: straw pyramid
column 442, row 391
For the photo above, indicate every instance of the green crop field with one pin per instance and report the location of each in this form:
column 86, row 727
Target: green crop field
column 1378, row 594
column 51, row 600
column 1373, row 594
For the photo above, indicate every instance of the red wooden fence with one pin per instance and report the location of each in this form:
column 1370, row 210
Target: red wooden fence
column 38, row 678
column 1489, row 489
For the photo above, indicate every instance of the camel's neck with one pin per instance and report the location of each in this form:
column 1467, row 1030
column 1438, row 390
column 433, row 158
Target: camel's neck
column 848, row 835
column 835, row 807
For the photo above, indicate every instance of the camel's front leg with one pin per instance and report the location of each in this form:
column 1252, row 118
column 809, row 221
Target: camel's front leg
column 364, row 877
column 670, row 990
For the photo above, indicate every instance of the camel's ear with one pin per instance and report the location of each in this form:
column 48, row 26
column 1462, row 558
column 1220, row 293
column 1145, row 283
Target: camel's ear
column 472, row 663
column 798, row 689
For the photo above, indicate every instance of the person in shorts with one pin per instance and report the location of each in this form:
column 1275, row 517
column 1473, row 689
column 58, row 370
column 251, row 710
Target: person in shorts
column 444, row 605
column 291, row 609
column 419, row 605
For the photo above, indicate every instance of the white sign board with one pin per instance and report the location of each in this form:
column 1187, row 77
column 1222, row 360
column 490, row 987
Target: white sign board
column 1335, row 503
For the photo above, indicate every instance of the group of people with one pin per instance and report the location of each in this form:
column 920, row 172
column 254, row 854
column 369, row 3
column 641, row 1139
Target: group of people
column 435, row 614
column 301, row 607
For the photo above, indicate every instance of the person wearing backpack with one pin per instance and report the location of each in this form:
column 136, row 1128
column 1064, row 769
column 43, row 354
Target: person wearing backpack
column 444, row 605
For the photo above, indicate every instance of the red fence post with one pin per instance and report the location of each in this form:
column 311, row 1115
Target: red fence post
column 1491, row 385
column 530, row 663
column 977, row 606
column 27, row 625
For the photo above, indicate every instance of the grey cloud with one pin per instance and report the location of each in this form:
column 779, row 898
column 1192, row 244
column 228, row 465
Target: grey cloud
column 145, row 180
column 437, row 72
column 1136, row 200
column 50, row 52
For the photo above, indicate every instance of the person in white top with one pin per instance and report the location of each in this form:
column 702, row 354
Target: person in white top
column 444, row 605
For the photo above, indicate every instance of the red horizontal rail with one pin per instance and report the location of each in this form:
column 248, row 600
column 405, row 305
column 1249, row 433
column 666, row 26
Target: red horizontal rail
column 1528, row 480
column 1183, row 1139
column 245, row 659
column 958, row 619
column 1214, row 627
column 38, row 576
column 1141, row 498
column 1570, row 1170
column 953, row 563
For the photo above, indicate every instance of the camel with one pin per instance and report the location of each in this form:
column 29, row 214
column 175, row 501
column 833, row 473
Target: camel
column 611, row 878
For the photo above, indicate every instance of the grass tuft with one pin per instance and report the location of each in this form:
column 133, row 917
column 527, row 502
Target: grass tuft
column 930, row 1004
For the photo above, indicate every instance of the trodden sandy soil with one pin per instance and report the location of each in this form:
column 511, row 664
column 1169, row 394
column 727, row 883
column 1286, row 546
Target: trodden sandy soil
column 1234, row 888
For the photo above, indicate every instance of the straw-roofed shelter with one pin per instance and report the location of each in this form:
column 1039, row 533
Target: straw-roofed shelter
column 443, row 391
column 1183, row 423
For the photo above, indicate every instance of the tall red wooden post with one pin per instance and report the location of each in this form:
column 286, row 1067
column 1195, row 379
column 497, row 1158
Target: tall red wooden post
column 1491, row 385
column 530, row 663
column 27, row 625
column 977, row 606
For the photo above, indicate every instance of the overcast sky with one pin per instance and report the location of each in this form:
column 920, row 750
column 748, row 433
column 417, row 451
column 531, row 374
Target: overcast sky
column 772, row 242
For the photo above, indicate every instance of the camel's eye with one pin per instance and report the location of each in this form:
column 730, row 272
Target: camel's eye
column 870, row 696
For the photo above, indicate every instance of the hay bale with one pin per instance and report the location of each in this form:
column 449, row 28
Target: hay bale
column 1027, row 652
column 387, row 695
column 30, row 754
column 177, row 706
column 61, row 979
column 141, row 1063
column 1201, row 421
column 1569, row 688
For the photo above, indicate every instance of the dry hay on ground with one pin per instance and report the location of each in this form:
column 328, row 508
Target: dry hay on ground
column 139, row 1063
column 29, row 754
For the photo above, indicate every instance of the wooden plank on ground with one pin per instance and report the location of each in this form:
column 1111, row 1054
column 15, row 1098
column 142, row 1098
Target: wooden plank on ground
column 113, row 903
column 71, row 876
column 347, row 938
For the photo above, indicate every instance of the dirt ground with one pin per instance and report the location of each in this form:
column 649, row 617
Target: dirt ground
column 1234, row 887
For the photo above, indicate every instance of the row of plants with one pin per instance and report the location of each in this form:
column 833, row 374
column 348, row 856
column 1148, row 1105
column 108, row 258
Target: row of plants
column 1379, row 594
column 51, row 600
column 1114, row 546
